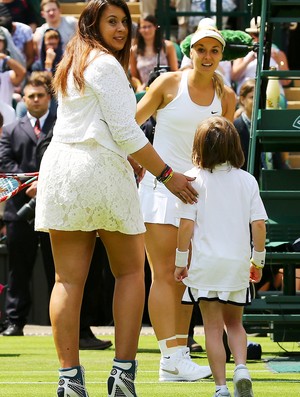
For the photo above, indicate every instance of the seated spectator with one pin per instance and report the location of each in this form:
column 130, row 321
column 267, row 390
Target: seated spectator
column 8, row 113
column 243, row 116
column 242, row 123
column 20, row 11
column 245, row 68
column 12, row 73
column 150, row 50
column 51, row 52
column 148, row 7
column 12, row 49
column 66, row 25
column 46, row 77
column 22, row 36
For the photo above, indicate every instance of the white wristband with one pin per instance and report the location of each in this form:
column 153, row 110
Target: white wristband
column 181, row 259
column 258, row 258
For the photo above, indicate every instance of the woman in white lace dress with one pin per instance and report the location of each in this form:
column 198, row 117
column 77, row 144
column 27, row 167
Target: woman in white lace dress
column 87, row 187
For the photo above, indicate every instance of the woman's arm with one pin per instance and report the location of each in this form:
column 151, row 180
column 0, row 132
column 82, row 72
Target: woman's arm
column 162, row 91
column 229, row 103
column 239, row 65
column 132, row 64
column 178, row 184
column 171, row 55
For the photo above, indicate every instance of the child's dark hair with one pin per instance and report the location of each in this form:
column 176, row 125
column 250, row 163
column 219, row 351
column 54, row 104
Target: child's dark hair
column 217, row 141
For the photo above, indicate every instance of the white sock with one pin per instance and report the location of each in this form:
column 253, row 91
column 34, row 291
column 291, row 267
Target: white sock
column 71, row 372
column 222, row 388
column 239, row 366
column 165, row 350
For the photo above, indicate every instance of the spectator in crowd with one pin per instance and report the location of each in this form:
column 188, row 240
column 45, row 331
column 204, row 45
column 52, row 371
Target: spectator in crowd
column 243, row 116
column 12, row 49
column 18, row 147
column 180, row 101
column 22, row 36
column 46, row 77
column 51, row 52
column 8, row 113
column 150, row 50
column 223, row 189
column 2, row 227
column 66, row 25
column 12, row 73
column 148, row 7
column 20, row 11
column 245, row 68
column 77, row 201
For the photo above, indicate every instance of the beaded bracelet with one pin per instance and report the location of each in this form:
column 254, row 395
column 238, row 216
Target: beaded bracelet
column 166, row 175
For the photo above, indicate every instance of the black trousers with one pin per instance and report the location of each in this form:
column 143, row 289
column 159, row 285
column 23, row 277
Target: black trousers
column 22, row 248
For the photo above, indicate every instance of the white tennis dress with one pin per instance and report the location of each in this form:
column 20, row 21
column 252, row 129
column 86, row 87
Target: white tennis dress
column 228, row 203
column 85, row 181
column 173, row 140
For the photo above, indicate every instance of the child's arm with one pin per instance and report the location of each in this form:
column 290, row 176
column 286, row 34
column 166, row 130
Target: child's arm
column 185, row 233
column 258, row 253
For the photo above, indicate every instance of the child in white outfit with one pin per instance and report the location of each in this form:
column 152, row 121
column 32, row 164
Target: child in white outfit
column 217, row 227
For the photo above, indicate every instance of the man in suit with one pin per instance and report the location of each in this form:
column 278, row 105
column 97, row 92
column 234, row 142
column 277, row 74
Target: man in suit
column 18, row 146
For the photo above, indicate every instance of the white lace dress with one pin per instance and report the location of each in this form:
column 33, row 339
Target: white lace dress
column 85, row 185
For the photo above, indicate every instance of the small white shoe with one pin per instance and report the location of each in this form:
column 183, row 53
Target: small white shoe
column 222, row 394
column 242, row 382
column 178, row 367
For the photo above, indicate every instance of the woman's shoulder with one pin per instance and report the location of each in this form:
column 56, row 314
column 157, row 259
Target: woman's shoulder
column 171, row 77
column 229, row 95
column 168, row 82
column 102, row 57
column 168, row 43
column 102, row 63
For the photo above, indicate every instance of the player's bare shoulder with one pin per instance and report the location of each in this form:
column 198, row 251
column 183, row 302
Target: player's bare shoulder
column 168, row 84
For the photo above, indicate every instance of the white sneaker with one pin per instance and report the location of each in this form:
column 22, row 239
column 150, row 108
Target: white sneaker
column 242, row 382
column 179, row 367
column 71, row 387
column 121, row 380
column 222, row 394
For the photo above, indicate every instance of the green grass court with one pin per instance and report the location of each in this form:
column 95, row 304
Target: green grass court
column 29, row 368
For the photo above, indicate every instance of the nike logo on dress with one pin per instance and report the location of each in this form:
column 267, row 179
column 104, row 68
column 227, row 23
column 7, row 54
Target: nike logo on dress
column 214, row 112
column 175, row 372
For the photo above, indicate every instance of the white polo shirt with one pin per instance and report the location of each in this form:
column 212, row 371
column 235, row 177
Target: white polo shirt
column 228, row 202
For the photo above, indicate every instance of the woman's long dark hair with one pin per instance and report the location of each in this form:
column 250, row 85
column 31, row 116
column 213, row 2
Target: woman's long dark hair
column 86, row 39
column 158, row 42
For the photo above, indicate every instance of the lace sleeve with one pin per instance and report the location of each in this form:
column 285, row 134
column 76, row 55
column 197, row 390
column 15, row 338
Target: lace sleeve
column 117, row 101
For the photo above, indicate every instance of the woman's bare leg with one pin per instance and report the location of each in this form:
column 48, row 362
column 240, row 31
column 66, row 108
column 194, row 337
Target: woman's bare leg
column 72, row 252
column 168, row 316
column 126, row 255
